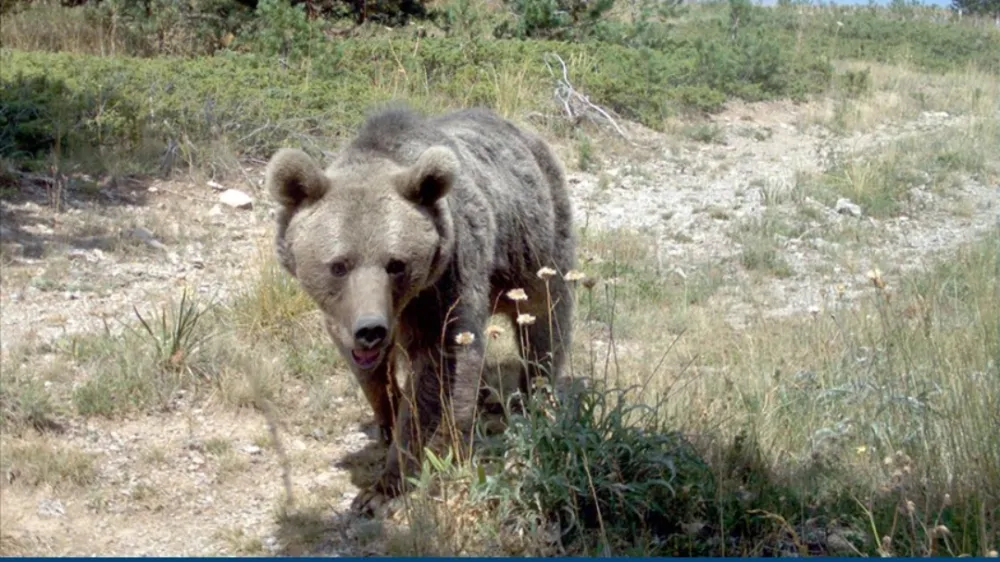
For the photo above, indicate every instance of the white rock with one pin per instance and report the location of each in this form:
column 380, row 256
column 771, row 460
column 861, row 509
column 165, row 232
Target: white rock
column 844, row 206
column 51, row 508
column 147, row 236
column 236, row 199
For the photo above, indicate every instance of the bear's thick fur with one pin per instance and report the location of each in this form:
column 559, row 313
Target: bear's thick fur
column 412, row 236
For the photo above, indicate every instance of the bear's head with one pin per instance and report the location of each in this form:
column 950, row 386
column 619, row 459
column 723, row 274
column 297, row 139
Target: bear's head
column 363, row 237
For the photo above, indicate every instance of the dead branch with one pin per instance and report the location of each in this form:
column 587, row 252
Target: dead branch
column 576, row 104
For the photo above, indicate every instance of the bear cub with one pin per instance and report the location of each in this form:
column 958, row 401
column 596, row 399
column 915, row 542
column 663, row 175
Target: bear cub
column 408, row 242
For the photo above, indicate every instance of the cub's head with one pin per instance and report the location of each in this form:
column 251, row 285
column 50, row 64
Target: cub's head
column 363, row 238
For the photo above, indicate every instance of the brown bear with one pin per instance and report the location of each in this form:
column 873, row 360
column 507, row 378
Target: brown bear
column 408, row 242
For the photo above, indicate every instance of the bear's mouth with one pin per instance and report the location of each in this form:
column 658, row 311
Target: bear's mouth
column 366, row 358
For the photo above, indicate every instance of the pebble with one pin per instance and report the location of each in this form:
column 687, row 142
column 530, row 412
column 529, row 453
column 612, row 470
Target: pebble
column 236, row 199
column 844, row 206
column 51, row 508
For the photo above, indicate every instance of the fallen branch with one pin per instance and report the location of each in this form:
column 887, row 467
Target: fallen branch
column 568, row 96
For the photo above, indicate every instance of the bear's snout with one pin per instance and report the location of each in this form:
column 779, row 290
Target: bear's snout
column 370, row 331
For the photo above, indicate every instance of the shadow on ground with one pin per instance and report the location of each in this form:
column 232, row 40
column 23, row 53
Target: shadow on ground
column 31, row 228
column 325, row 530
column 45, row 122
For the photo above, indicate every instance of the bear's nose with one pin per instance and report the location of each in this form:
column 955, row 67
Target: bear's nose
column 369, row 331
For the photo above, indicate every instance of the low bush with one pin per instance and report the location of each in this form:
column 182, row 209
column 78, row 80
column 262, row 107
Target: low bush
column 255, row 103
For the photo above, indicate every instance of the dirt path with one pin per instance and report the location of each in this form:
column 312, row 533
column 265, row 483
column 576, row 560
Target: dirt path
column 691, row 197
column 198, row 482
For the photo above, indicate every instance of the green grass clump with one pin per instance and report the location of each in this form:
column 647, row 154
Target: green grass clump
column 46, row 463
column 610, row 472
column 24, row 402
column 763, row 241
column 143, row 367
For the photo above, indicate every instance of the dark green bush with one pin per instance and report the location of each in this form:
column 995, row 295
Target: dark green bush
column 554, row 19
column 40, row 111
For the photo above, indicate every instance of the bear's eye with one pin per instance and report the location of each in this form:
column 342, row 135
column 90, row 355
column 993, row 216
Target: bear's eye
column 338, row 268
column 395, row 267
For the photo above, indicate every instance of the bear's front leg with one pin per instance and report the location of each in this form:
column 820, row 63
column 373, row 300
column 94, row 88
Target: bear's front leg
column 424, row 419
column 379, row 385
column 406, row 441
column 390, row 482
column 382, row 391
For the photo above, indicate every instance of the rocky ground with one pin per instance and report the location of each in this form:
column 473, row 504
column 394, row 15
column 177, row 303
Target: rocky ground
column 168, row 485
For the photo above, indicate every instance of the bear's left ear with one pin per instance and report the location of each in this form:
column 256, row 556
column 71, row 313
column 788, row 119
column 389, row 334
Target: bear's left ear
column 431, row 177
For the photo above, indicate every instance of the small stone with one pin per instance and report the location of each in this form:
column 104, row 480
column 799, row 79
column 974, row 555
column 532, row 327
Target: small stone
column 51, row 508
column 844, row 206
column 76, row 254
column 236, row 199
column 252, row 450
column 148, row 237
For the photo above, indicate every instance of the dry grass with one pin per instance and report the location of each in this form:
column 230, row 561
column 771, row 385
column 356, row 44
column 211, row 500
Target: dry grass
column 40, row 461
column 885, row 180
column 47, row 26
column 271, row 300
column 896, row 93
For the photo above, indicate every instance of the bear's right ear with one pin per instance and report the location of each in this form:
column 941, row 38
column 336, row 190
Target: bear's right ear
column 293, row 177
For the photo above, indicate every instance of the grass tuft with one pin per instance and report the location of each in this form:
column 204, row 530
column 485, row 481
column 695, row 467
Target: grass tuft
column 40, row 462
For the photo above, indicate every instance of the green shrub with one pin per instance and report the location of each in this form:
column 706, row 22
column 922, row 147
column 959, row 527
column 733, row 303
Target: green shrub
column 554, row 19
column 606, row 468
column 168, row 27
column 39, row 112
column 254, row 103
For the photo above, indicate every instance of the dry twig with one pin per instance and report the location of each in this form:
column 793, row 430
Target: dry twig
column 576, row 104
